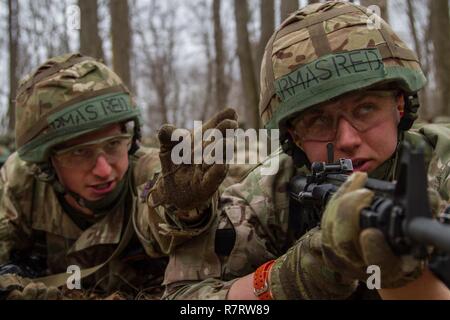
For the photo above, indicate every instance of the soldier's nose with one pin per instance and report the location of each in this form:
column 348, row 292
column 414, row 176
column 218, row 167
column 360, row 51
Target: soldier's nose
column 347, row 137
column 102, row 167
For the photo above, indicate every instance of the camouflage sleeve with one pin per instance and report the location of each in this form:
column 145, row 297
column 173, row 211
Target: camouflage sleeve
column 439, row 168
column 249, row 228
column 209, row 289
column 14, row 228
column 158, row 228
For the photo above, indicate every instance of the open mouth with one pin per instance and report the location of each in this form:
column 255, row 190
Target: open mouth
column 360, row 165
column 103, row 188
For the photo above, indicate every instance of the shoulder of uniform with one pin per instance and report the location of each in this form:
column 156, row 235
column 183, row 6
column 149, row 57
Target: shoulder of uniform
column 267, row 179
column 437, row 136
column 17, row 173
column 146, row 164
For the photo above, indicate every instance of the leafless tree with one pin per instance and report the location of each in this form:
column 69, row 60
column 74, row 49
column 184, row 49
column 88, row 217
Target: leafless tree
column 157, row 35
column 13, row 36
column 440, row 36
column 90, row 41
column 246, row 63
column 121, row 39
column 221, row 87
column 411, row 9
column 287, row 7
column 267, row 12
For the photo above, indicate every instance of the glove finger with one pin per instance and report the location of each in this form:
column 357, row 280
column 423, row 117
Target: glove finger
column 165, row 154
column 165, row 137
column 213, row 177
column 316, row 239
column 343, row 213
column 53, row 293
column 376, row 251
column 15, row 295
column 346, row 229
column 227, row 124
column 12, row 280
column 218, row 152
column 227, row 113
column 357, row 180
column 340, row 233
column 32, row 291
column 216, row 143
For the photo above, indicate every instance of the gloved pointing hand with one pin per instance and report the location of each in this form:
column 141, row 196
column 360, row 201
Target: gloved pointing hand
column 190, row 186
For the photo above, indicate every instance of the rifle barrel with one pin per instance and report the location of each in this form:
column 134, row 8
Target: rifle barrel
column 430, row 232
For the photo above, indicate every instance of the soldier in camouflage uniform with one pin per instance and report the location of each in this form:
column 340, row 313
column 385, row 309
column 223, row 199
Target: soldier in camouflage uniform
column 326, row 78
column 76, row 192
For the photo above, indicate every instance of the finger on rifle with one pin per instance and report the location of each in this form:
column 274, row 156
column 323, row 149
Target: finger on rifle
column 227, row 113
column 376, row 250
column 357, row 180
column 346, row 227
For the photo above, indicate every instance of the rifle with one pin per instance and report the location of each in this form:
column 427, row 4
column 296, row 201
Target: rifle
column 401, row 209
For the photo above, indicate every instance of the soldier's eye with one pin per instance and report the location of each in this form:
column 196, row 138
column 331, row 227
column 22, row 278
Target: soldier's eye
column 81, row 152
column 364, row 110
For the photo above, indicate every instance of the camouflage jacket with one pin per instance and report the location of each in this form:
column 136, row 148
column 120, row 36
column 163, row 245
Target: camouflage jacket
column 258, row 211
column 34, row 224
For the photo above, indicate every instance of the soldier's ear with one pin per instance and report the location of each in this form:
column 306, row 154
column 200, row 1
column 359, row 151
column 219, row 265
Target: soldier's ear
column 400, row 103
column 295, row 137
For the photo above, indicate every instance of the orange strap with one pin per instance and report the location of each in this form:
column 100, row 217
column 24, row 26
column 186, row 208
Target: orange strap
column 261, row 281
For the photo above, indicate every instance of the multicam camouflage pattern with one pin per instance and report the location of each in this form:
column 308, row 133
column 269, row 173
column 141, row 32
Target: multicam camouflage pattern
column 32, row 221
column 293, row 47
column 46, row 97
column 257, row 209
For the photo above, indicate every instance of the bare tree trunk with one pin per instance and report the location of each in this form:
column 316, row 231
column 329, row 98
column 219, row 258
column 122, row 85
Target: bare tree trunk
column 13, row 35
column 121, row 39
column 64, row 32
column 221, row 87
column 90, row 42
column 423, row 112
column 315, row 1
column 201, row 104
column 267, row 9
column 246, row 63
column 440, row 30
column 209, row 77
column 287, row 7
column 158, row 39
column 382, row 4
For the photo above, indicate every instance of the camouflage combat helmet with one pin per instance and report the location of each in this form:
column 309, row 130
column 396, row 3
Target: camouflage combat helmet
column 326, row 50
column 68, row 96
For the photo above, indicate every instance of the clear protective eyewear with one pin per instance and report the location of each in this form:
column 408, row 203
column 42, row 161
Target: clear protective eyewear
column 84, row 156
column 321, row 123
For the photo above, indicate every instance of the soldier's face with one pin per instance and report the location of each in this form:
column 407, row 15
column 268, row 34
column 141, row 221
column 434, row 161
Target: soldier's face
column 100, row 175
column 361, row 127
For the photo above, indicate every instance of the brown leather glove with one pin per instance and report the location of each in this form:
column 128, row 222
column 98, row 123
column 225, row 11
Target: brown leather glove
column 18, row 288
column 350, row 250
column 190, row 186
